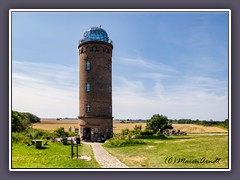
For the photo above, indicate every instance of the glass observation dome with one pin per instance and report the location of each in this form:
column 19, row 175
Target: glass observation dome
column 96, row 34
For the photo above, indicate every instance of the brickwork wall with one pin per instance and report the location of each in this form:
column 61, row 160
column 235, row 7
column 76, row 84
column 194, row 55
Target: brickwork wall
column 99, row 54
column 104, row 126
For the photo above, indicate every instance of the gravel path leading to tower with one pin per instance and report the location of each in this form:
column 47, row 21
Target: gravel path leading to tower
column 105, row 159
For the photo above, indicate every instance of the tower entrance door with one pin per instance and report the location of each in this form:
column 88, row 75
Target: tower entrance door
column 87, row 134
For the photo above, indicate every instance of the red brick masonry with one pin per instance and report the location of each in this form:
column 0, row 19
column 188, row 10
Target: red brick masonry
column 98, row 121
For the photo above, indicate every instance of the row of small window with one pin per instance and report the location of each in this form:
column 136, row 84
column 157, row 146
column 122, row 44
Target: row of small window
column 94, row 49
column 76, row 130
column 88, row 88
column 88, row 66
column 88, row 108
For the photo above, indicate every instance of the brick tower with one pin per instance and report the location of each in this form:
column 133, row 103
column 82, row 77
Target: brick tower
column 95, row 85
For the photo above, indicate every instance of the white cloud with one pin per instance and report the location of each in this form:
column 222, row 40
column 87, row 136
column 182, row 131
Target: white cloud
column 47, row 90
column 175, row 94
column 185, row 104
column 45, row 101
column 50, row 90
column 49, row 73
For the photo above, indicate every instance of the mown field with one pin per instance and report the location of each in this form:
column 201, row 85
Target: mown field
column 52, row 124
column 189, row 128
column 210, row 150
column 55, row 155
column 176, row 152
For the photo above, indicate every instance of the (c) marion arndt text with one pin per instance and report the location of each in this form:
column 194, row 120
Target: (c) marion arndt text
column 202, row 160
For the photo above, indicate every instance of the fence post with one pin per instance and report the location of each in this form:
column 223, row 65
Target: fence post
column 77, row 150
column 72, row 147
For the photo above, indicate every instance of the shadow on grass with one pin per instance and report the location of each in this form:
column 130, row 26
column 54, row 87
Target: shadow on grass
column 42, row 148
column 165, row 138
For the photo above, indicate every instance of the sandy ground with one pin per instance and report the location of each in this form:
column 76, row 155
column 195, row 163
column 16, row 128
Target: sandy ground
column 52, row 124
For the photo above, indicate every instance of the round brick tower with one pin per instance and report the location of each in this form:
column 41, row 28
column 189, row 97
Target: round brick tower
column 95, row 85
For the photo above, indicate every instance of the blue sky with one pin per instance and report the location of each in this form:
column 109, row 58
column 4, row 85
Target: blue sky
column 170, row 63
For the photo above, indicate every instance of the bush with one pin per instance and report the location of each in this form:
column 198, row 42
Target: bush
column 115, row 142
column 30, row 134
column 59, row 132
column 125, row 131
column 20, row 122
column 71, row 134
column 38, row 133
column 136, row 136
column 137, row 129
column 159, row 135
column 33, row 118
column 147, row 133
column 18, row 136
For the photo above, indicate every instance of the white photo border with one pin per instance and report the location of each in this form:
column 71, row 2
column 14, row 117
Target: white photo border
column 120, row 10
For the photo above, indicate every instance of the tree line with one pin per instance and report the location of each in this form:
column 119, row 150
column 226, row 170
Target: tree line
column 23, row 132
column 223, row 124
column 22, row 120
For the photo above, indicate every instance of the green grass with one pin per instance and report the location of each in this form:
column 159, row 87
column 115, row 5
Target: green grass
column 224, row 133
column 55, row 155
column 157, row 153
column 115, row 142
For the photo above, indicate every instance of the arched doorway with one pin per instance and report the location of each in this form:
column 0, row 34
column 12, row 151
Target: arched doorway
column 86, row 133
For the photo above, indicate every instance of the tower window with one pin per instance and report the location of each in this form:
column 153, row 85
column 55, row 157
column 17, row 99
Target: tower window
column 88, row 87
column 88, row 65
column 94, row 48
column 88, row 108
column 110, row 67
column 107, row 50
column 110, row 109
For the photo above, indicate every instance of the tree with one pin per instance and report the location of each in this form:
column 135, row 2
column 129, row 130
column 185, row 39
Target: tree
column 20, row 122
column 226, row 124
column 158, row 123
column 33, row 118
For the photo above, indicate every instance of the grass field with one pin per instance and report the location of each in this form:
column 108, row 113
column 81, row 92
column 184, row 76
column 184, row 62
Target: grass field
column 189, row 128
column 55, row 155
column 191, row 151
column 52, row 124
column 176, row 152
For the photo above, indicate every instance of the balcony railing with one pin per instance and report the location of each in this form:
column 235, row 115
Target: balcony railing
column 84, row 40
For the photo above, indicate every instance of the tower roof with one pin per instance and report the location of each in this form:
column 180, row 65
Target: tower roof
column 96, row 34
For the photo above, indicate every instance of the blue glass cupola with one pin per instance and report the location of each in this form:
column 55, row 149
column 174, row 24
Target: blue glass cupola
column 96, row 34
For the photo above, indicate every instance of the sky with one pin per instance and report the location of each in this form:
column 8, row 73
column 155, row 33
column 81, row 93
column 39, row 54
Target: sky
column 169, row 63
